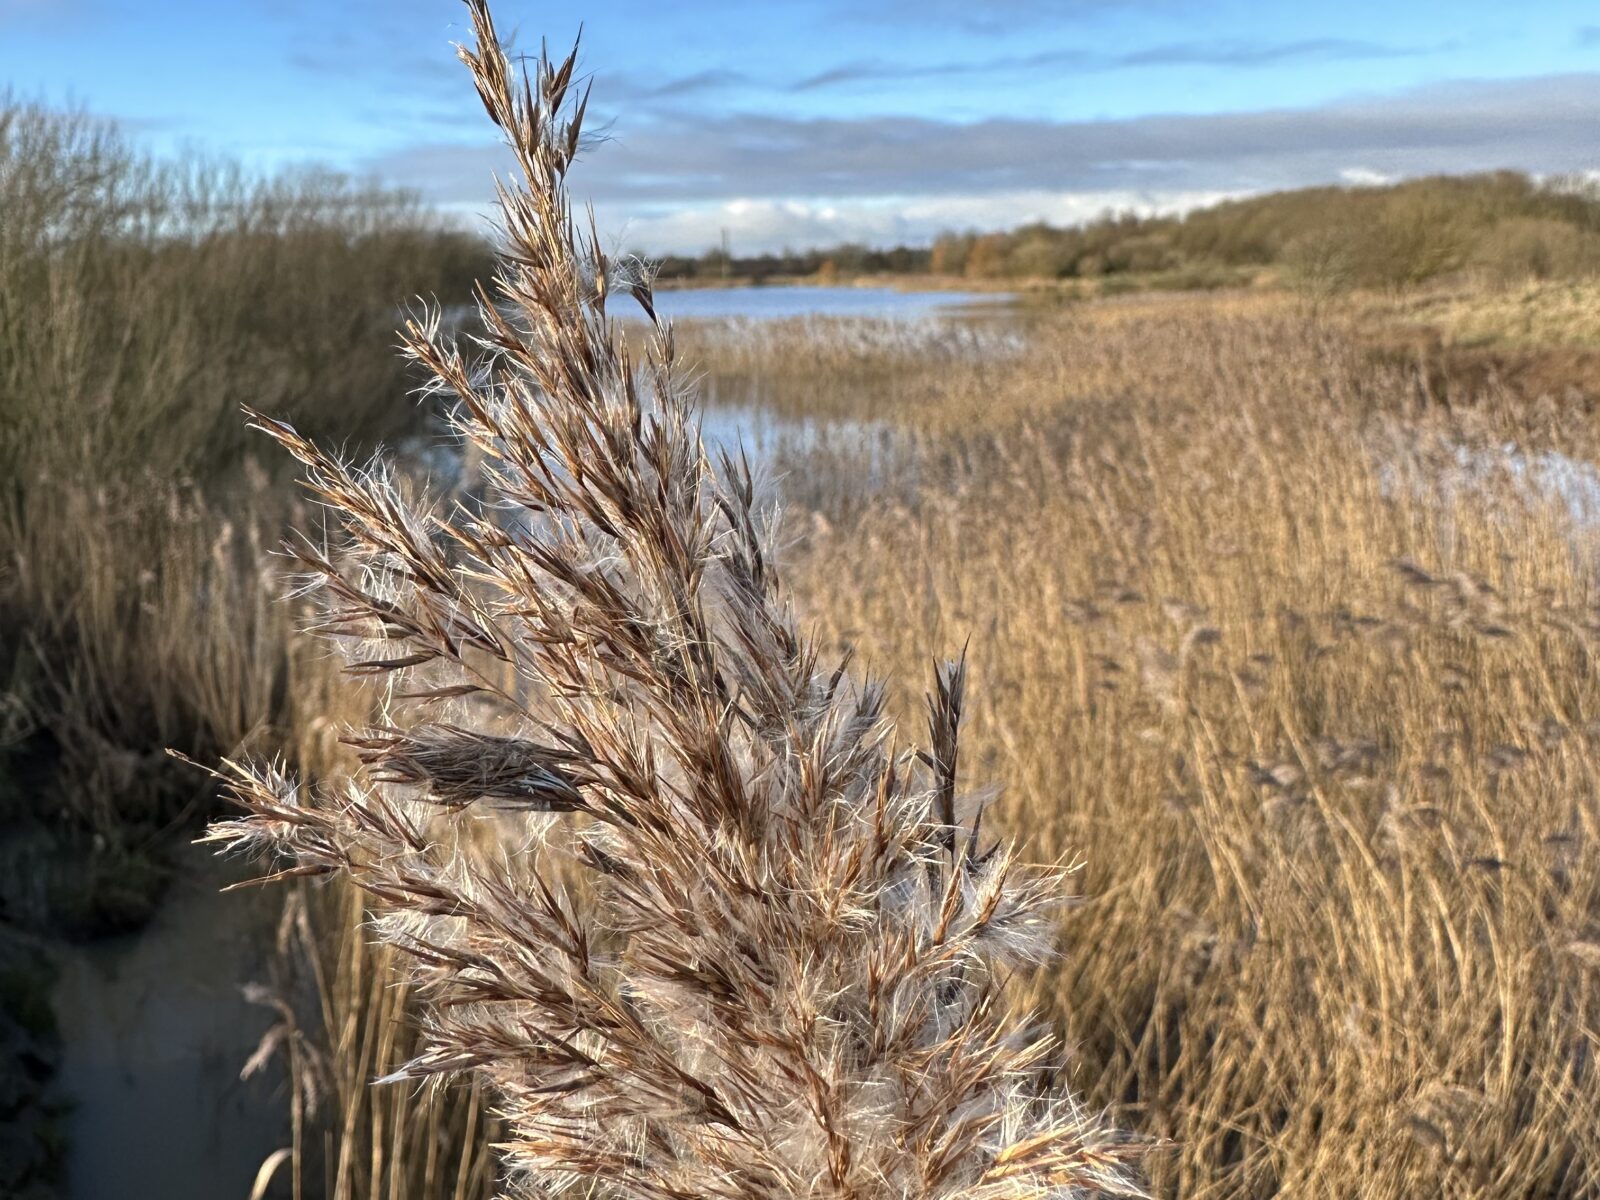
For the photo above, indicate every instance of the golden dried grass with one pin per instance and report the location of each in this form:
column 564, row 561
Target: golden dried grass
column 1305, row 668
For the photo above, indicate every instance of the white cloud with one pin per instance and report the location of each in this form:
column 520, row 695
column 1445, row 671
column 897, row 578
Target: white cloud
column 757, row 226
column 1365, row 177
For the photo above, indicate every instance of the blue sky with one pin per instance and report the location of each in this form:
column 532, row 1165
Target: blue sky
column 808, row 121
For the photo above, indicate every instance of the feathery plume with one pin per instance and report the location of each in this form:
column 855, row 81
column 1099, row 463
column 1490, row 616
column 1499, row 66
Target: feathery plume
column 784, row 976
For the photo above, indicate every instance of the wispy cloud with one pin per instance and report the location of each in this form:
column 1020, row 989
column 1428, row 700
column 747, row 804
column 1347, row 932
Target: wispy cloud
column 20, row 14
column 993, row 16
column 416, row 78
column 766, row 225
column 700, row 81
column 1230, row 54
column 1268, row 54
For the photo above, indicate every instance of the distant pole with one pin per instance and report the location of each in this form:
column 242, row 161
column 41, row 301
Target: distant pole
column 727, row 254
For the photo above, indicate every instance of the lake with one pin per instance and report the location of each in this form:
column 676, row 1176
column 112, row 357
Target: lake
column 779, row 302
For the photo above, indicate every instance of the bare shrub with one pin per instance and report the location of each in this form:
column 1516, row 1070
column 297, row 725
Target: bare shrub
column 141, row 299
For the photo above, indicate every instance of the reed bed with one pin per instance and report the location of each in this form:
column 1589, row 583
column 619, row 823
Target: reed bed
column 1519, row 313
column 137, row 621
column 1300, row 657
column 141, row 301
column 341, row 1016
column 1302, row 661
column 820, row 369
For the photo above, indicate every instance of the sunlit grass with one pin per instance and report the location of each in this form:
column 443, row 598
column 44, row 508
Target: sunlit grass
column 1307, row 677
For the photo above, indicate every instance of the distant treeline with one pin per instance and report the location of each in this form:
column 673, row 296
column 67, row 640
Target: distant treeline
column 847, row 259
column 1504, row 224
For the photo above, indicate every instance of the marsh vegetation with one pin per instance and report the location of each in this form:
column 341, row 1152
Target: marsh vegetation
column 1280, row 620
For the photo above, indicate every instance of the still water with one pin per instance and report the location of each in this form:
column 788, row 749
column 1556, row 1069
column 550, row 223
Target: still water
column 154, row 1030
column 780, row 302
